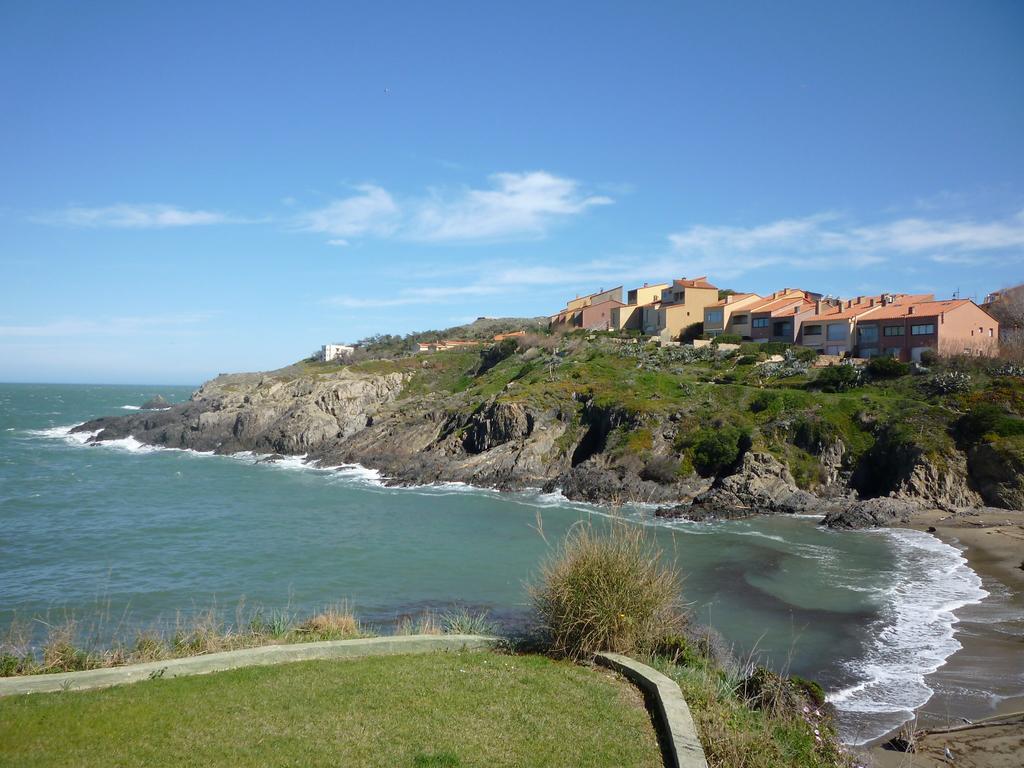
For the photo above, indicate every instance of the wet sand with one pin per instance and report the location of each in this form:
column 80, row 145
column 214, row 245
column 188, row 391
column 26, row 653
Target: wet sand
column 985, row 679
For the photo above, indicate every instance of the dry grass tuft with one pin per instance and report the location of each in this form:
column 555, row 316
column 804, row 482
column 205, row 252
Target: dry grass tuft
column 607, row 592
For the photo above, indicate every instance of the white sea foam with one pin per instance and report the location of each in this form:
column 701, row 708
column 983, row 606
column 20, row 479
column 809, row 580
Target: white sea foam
column 131, row 408
column 913, row 637
column 64, row 433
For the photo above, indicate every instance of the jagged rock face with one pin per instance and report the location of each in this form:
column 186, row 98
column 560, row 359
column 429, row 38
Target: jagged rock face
column 905, row 471
column 831, row 458
column 496, row 424
column 944, row 486
column 999, row 479
column 871, row 513
column 596, row 484
column 761, row 485
column 263, row 414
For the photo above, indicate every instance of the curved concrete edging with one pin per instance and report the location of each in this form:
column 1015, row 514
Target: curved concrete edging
column 682, row 745
column 245, row 657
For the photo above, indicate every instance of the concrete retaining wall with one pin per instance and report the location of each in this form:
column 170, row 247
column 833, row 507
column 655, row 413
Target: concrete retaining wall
column 680, row 734
column 247, row 657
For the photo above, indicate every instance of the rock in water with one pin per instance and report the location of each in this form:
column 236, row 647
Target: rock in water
column 155, row 404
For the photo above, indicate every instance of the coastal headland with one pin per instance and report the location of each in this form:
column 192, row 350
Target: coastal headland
column 698, row 432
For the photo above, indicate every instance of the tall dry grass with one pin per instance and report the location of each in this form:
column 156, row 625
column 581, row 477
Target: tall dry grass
column 607, row 591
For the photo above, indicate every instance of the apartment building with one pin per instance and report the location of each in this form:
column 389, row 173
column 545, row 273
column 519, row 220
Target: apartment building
column 775, row 317
column 682, row 305
column 830, row 327
column 572, row 316
column 730, row 315
column 629, row 317
column 906, row 330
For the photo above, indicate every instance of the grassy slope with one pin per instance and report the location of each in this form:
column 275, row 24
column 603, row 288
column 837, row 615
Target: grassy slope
column 783, row 414
column 427, row 710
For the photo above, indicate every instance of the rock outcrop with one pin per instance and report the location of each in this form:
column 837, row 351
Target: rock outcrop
column 157, row 403
column 762, row 485
column 591, row 449
column 998, row 476
column 871, row 513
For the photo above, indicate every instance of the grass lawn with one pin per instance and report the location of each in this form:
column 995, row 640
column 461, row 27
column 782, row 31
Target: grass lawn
column 445, row 709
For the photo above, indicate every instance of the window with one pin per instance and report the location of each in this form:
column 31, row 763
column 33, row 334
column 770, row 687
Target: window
column 782, row 328
column 990, row 333
column 891, row 352
column 869, row 352
column 836, row 331
column 714, row 316
column 739, row 319
column 812, row 330
column 760, row 322
column 868, row 333
column 894, row 330
column 922, row 330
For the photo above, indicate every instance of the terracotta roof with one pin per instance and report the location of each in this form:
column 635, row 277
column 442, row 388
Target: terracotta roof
column 921, row 309
column 696, row 282
column 772, row 304
column 735, row 297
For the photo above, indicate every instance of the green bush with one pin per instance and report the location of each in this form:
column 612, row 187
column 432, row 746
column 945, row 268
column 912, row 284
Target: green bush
column 774, row 347
column 607, row 592
column 691, row 332
column 929, row 357
column 764, row 401
column 886, row 367
column 805, row 354
column 837, row 378
column 813, row 434
column 716, row 450
column 986, row 419
column 746, row 360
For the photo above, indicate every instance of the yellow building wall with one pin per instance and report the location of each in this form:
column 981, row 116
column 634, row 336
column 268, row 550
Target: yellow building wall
column 674, row 318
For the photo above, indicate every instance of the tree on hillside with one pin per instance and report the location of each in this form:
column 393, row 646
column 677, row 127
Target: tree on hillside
column 1008, row 308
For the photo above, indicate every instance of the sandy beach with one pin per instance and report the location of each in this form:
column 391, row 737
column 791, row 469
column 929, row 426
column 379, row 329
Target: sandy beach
column 984, row 680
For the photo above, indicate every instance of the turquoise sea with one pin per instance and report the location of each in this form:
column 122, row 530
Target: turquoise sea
column 126, row 536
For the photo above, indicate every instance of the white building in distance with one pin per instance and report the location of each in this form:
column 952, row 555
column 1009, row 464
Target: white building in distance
column 333, row 351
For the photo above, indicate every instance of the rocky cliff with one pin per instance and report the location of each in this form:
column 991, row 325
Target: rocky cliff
column 596, row 425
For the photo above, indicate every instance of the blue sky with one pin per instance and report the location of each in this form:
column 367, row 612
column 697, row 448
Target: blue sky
column 189, row 188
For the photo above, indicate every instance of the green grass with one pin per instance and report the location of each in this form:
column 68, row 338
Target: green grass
column 455, row 709
column 737, row 734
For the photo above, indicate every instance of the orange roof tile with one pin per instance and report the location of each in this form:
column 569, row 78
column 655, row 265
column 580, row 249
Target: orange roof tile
column 696, row 282
column 735, row 297
column 921, row 309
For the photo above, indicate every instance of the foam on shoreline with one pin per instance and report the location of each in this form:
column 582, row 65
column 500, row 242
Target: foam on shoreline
column 913, row 636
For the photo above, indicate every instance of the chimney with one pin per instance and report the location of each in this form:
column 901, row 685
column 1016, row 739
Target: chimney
column 910, row 309
column 872, row 302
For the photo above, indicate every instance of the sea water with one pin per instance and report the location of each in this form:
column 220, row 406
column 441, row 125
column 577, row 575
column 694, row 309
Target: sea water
column 127, row 536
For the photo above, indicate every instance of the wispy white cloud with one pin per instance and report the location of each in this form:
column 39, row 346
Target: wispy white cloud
column 370, row 212
column 828, row 240
column 515, row 205
column 112, row 326
column 338, row 242
column 134, row 216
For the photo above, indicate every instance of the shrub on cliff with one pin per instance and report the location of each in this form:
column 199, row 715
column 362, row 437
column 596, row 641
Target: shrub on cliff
column 606, row 591
column 986, row 419
column 837, row 378
column 716, row 450
column 887, row 368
